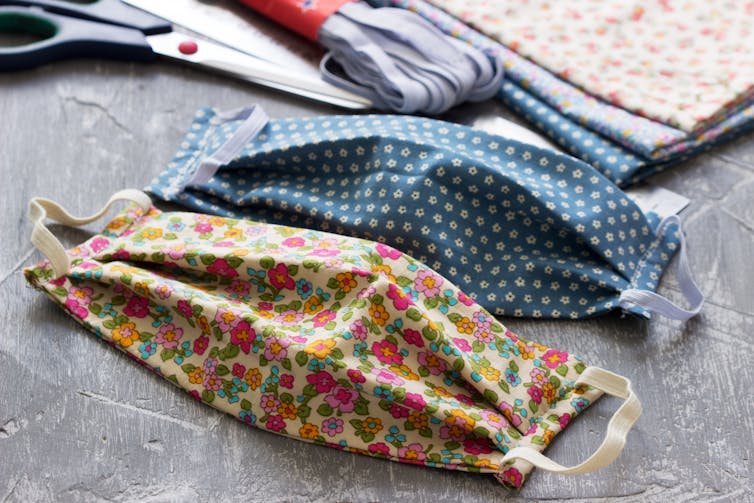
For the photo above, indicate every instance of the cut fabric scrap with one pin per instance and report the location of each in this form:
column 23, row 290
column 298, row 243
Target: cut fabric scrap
column 396, row 59
column 548, row 235
column 683, row 64
column 635, row 146
column 328, row 339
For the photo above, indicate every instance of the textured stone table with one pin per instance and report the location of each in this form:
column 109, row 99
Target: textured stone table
column 80, row 422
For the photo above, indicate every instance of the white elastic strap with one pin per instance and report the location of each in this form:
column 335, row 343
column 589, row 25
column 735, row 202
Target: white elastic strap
column 255, row 119
column 402, row 62
column 655, row 302
column 617, row 429
column 41, row 237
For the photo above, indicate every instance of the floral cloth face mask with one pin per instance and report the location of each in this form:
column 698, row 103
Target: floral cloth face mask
column 523, row 230
column 329, row 339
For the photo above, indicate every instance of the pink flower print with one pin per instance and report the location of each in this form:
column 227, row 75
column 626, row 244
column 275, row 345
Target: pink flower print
column 212, row 382
column 324, row 252
column 238, row 370
column 294, row 242
column 513, row 477
column 387, row 353
column 275, row 423
column 510, row 335
column 358, row 330
column 412, row 453
column 379, row 449
column 286, row 381
column 81, row 295
column 462, row 344
column 332, row 426
column 554, row 358
column 137, row 307
column 538, row 376
column 327, row 243
column 366, row 292
column 356, row 376
column 535, row 392
column 385, row 376
column 242, row 335
column 122, row 255
column 269, row 403
column 484, row 334
column 79, row 251
column 323, row 382
column 169, row 335
column 201, row 344
column 465, row 299
column 564, row 420
column 482, row 320
column 399, row 297
column 57, row 281
column 176, row 251
column 289, row 317
column 227, row 318
column 477, row 446
column 342, row 398
column 512, row 417
column 265, row 306
column 398, row 411
column 496, row 421
column 239, row 288
column 323, row 318
column 333, row 263
column 413, row 337
column 275, row 348
column 414, row 401
column 280, row 278
column 431, row 362
column 387, row 252
column 221, row 267
column 428, row 282
column 163, row 291
column 77, row 309
column 203, row 228
column 184, row 307
column 454, row 428
column 98, row 244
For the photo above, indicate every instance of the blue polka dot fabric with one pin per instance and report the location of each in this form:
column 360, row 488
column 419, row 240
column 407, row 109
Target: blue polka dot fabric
column 524, row 231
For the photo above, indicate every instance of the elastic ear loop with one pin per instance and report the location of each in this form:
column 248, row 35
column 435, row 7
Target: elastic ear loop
column 254, row 120
column 655, row 302
column 617, row 429
column 41, row 237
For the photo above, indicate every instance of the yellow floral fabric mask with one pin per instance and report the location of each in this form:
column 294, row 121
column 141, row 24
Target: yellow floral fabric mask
column 329, row 339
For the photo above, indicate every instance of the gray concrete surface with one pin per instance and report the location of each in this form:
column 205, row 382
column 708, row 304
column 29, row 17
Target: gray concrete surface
column 81, row 422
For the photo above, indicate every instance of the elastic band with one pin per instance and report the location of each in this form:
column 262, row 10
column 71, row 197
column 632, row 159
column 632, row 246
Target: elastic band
column 617, row 429
column 255, row 119
column 41, row 237
column 655, row 302
column 403, row 63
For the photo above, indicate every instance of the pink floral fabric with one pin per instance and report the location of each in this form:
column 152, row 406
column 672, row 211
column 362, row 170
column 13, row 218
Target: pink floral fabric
column 329, row 339
column 685, row 64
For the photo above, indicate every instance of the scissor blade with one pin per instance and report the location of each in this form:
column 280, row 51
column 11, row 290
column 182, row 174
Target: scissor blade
column 249, row 68
column 232, row 24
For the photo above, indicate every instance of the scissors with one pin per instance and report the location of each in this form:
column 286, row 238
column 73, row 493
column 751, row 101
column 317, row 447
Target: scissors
column 114, row 30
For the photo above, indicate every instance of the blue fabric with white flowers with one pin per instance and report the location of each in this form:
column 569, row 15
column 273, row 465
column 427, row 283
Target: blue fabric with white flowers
column 523, row 230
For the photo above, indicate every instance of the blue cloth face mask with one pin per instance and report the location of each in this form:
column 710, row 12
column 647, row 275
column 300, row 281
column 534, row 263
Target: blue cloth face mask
column 523, row 230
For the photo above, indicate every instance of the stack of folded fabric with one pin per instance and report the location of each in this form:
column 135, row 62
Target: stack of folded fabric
column 630, row 88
